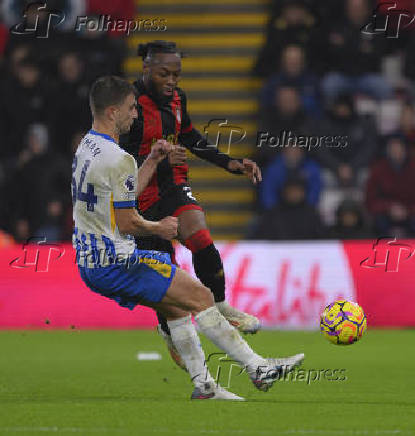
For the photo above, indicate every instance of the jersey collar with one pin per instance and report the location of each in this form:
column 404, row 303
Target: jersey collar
column 108, row 137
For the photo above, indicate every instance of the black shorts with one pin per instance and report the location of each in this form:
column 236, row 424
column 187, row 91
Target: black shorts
column 175, row 201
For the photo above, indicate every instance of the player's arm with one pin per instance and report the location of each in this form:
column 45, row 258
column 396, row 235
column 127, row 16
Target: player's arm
column 124, row 183
column 199, row 146
column 130, row 222
column 159, row 151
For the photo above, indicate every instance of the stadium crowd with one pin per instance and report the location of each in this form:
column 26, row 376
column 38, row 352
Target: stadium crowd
column 343, row 97
column 44, row 110
column 336, row 121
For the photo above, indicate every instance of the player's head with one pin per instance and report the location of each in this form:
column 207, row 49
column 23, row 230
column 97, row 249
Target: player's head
column 161, row 66
column 113, row 102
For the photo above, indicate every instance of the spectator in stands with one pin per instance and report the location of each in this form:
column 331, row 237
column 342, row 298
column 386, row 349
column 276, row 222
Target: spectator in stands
column 16, row 55
column 51, row 226
column 292, row 218
column 38, row 190
column 291, row 162
column 285, row 114
column 350, row 222
column 347, row 162
column 354, row 58
column 293, row 24
column 293, row 73
column 390, row 193
column 70, row 111
column 37, row 90
column 25, row 101
column 407, row 126
column 103, row 54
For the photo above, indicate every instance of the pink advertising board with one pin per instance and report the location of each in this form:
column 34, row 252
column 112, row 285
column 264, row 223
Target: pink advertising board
column 285, row 284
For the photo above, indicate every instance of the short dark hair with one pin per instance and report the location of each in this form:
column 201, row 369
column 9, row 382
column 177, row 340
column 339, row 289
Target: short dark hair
column 108, row 91
column 147, row 51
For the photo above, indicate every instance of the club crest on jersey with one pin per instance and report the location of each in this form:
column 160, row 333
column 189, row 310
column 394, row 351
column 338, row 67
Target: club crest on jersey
column 129, row 183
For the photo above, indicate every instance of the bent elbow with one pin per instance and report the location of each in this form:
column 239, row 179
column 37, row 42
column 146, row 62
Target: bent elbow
column 124, row 227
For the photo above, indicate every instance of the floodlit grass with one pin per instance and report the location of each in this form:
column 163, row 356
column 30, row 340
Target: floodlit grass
column 90, row 382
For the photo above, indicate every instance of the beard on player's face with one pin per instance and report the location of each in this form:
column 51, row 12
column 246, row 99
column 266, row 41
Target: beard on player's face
column 122, row 126
column 155, row 88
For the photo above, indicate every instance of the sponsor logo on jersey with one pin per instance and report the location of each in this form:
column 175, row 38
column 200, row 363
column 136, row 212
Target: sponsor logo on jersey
column 129, row 183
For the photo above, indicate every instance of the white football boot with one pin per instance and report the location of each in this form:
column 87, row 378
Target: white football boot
column 266, row 375
column 242, row 321
column 211, row 391
column 172, row 349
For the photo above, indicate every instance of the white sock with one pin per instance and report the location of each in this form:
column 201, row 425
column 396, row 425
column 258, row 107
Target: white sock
column 187, row 342
column 227, row 338
column 226, row 309
column 222, row 306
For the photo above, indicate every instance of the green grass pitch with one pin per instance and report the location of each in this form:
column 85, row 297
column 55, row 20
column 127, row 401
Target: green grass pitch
column 90, row 382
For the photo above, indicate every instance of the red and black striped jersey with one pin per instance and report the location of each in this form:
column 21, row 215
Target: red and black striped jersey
column 166, row 119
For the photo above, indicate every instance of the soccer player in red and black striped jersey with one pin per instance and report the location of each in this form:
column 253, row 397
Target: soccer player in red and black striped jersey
column 162, row 114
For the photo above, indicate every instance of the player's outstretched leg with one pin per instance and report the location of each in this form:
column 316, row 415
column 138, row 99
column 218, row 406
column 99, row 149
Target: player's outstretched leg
column 187, row 343
column 164, row 331
column 190, row 295
column 208, row 267
column 263, row 372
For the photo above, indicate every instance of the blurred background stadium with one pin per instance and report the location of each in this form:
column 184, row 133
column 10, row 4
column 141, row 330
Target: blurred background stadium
column 254, row 66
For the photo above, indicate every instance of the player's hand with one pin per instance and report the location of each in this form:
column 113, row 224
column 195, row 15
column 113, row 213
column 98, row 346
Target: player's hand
column 247, row 167
column 177, row 156
column 168, row 227
column 160, row 149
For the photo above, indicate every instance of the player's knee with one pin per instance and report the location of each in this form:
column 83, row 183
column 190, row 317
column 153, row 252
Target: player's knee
column 203, row 299
column 198, row 240
column 172, row 313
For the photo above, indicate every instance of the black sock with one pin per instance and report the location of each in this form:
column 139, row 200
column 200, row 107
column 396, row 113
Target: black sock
column 209, row 270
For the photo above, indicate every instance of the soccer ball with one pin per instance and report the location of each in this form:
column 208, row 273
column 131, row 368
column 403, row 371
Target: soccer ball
column 343, row 322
